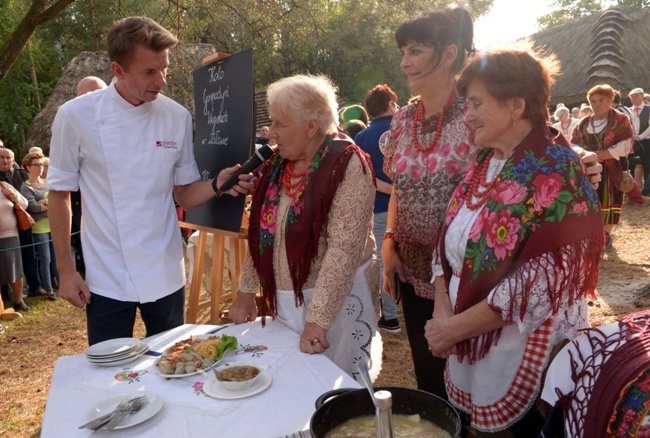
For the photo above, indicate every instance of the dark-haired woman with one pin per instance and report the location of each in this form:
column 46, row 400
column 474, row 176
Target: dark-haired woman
column 427, row 151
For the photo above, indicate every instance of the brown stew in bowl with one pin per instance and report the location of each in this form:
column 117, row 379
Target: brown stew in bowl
column 239, row 373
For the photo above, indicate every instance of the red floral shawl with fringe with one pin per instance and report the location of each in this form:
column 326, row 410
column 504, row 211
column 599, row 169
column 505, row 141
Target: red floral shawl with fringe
column 307, row 218
column 541, row 206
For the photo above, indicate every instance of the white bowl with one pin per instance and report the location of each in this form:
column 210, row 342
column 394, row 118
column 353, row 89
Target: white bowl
column 238, row 386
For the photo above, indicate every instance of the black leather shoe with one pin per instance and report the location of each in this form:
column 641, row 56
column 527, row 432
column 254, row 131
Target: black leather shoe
column 21, row 307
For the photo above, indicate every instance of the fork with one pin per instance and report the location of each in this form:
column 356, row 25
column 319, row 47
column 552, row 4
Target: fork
column 123, row 404
column 138, row 403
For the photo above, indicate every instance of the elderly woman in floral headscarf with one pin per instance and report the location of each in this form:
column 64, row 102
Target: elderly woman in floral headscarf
column 310, row 234
column 519, row 250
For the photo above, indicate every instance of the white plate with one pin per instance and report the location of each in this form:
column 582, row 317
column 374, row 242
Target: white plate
column 154, row 403
column 215, row 389
column 141, row 348
column 113, row 347
column 119, row 362
column 198, row 371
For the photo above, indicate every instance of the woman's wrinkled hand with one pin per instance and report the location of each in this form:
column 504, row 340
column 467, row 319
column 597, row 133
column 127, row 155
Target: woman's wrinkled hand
column 243, row 309
column 313, row 339
column 439, row 334
column 392, row 265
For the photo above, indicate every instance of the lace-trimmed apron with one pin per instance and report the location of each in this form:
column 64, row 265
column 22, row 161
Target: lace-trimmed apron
column 354, row 333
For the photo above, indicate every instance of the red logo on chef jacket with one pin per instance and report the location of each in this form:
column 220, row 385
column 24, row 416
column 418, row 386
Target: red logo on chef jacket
column 166, row 144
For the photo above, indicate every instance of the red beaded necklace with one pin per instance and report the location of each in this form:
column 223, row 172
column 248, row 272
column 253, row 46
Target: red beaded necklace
column 419, row 117
column 293, row 188
column 480, row 179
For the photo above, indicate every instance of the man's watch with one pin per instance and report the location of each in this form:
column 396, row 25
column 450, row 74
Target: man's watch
column 214, row 186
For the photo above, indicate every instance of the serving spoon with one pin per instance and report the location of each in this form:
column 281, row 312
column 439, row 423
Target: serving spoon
column 217, row 375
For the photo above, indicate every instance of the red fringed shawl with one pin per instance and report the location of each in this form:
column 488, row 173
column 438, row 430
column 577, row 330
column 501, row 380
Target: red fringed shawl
column 307, row 217
column 541, row 205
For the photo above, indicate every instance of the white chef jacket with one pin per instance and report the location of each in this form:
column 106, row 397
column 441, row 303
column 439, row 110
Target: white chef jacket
column 126, row 160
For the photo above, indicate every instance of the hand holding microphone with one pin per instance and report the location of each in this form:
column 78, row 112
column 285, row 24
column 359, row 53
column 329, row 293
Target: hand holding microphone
column 260, row 156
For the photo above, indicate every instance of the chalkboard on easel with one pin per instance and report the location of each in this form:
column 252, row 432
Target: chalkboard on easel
column 223, row 137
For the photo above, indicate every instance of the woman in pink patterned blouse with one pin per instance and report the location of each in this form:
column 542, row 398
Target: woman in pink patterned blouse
column 428, row 150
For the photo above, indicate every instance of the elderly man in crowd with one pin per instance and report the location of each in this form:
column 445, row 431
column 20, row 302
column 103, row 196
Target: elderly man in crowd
column 640, row 117
column 90, row 84
column 10, row 172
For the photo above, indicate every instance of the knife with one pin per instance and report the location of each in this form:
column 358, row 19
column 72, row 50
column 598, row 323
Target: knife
column 218, row 329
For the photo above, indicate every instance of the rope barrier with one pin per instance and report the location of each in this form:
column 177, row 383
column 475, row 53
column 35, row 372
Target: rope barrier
column 34, row 244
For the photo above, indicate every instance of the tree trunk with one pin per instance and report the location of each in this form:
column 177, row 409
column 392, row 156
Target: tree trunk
column 32, row 72
column 91, row 12
column 40, row 12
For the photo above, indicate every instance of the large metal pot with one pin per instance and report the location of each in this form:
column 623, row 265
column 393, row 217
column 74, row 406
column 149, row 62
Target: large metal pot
column 340, row 405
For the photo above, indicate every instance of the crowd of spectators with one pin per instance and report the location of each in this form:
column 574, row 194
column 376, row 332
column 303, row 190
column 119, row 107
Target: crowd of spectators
column 27, row 263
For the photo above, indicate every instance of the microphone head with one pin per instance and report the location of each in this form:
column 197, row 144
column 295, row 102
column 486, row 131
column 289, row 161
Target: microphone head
column 265, row 152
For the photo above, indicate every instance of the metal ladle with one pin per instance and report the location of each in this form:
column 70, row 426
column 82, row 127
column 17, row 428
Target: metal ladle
column 362, row 367
column 383, row 401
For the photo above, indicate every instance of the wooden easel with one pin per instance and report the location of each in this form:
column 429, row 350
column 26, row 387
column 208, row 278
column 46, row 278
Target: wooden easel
column 236, row 243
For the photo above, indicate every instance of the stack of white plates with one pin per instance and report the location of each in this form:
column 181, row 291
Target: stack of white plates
column 116, row 351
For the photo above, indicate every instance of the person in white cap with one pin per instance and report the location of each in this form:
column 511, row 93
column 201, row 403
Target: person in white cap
column 641, row 122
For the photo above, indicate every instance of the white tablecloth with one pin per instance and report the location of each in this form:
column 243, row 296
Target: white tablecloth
column 282, row 409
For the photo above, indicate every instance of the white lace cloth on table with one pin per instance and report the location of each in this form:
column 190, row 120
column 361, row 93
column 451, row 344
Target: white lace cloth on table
column 570, row 319
column 268, row 352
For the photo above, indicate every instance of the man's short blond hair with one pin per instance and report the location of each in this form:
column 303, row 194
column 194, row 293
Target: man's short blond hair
column 129, row 33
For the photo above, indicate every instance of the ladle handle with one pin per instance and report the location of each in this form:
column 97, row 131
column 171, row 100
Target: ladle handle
column 362, row 366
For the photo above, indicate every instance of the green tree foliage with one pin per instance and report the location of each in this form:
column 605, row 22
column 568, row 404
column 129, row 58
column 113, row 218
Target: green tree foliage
column 351, row 41
column 18, row 95
column 567, row 10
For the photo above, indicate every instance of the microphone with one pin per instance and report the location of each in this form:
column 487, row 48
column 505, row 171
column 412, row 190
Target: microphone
column 261, row 155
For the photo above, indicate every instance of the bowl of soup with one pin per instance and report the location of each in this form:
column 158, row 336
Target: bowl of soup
column 239, row 377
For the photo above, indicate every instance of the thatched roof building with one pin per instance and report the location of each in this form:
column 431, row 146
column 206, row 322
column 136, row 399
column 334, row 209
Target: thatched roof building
column 610, row 47
column 183, row 61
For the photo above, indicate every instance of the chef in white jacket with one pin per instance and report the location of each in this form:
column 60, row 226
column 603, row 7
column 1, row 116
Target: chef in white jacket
column 129, row 149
